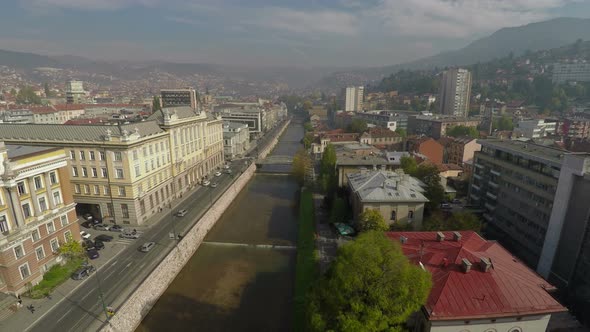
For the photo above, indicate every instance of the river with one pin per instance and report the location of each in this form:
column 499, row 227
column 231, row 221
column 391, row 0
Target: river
column 227, row 286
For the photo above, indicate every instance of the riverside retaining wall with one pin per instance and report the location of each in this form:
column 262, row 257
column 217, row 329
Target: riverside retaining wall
column 268, row 148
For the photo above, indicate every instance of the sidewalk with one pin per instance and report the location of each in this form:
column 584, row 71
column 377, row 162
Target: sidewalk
column 326, row 239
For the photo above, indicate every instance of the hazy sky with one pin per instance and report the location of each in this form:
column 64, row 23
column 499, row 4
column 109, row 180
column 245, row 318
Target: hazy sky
column 263, row 32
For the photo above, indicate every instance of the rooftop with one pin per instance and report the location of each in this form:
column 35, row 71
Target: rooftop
column 507, row 289
column 15, row 151
column 386, row 186
column 540, row 153
column 182, row 112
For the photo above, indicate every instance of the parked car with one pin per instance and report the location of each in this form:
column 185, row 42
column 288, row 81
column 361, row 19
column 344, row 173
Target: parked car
column 83, row 272
column 445, row 206
column 226, row 166
column 87, row 216
column 227, row 171
column 129, row 235
column 85, row 235
column 206, row 183
column 87, row 224
column 217, row 173
column 116, row 228
column 181, row 213
column 98, row 244
column 87, row 244
column 101, row 227
column 214, row 185
column 147, row 246
column 104, row 238
column 92, row 254
column 456, row 201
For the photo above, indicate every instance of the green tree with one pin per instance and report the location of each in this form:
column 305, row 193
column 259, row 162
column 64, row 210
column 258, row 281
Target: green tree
column 71, row 249
column 307, row 105
column 459, row 131
column 307, row 126
column 430, row 176
column 48, row 93
column 307, row 140
column 156, row 106
column 301, row 163
column 339, row 211
column 504, row 123
column 457, row 221
column 26, row 96
column 328, row 170
column 371, row 220
column 371, row 286
column 357, row 126
column 13, row 92
column 402, row 132
column 409, row 165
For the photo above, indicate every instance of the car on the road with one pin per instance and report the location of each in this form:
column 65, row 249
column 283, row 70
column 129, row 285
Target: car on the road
column 83, row 272
column 456, row 201
column 98, row 244
column 226, row 166
column 85, row 235
column 87, row 216
column 217, row 173
column 104, row 238
column 87, row 244
column 129, row 235
column 102, row 227
column 445, row 206
column 181, row 213
column 227, row 171
column 214, row 185
column 87, row 224
column 206, row 183
column 116, row 228
column 92, row 254
column 147, row 246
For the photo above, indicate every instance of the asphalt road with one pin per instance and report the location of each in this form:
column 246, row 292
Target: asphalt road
column 82, row 310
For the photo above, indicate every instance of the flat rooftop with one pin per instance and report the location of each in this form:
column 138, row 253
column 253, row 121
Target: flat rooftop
column 15, row 151
column 544, row 154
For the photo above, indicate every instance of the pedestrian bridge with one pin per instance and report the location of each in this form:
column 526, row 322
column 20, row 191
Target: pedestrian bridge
column 275, row 160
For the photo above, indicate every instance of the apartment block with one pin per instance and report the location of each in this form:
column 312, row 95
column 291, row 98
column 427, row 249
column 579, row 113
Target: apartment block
column 535, row 128
column 437, row 126
column 455, row 92
column 75, row 93
column 571, row 72
column 575, row 127
column 353, row 101
column 179, row 97
column 37, row 213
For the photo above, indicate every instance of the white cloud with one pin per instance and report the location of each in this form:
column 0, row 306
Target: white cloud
column 86, row 4
column 308, row 23
column 458, row 18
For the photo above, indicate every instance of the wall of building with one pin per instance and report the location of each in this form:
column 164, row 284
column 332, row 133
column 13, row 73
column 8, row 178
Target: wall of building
column 511, row 324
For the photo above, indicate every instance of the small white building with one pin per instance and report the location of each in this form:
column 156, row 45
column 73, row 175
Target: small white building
column 535, row 128
column 236, row 139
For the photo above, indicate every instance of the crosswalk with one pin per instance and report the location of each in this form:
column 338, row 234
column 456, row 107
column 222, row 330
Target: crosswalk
column 124, row 241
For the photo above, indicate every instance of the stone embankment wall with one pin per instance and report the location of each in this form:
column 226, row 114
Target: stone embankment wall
column 131, row 313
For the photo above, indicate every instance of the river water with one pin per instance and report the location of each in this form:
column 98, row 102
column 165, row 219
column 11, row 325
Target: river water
column 227, row 286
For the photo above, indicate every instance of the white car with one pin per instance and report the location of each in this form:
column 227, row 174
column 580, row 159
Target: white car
column 218, row 173
column 214, row 185
column 206, row 183
column 85, row 235
column 226, row 166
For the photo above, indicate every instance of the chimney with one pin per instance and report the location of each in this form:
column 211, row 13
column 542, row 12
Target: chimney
column 440, row 237
column 486, row 264
column 403, row 239
column 466, row 265
column 456, row 236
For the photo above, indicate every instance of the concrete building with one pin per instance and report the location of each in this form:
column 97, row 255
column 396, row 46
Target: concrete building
column 398, row 197
column 535, row 128
column 477, row 285
column 57, row 114
column 455, row 92
column 391, row 120
column 179, row 97
column 575, row 127
column 37, row 213
column 75, row 93
column 427, row 147
column 515, row 183
column 353, row 101
column 571, row 72
column 459, row 150
column 355, row 157
column 254, row 117
column 381, row 136
column 236, row 139
column 437, row 126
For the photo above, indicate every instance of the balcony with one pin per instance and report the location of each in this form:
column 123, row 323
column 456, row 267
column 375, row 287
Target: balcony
column 492, row 196
column 477, row 176
column 496, row 173
column 488, row 217
column 474, row 197
column 476, row 187
column 490, row 207
column 493, row 184
column 479, row 166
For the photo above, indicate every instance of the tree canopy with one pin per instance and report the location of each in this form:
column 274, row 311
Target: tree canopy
column 503, row 123
column 357, row 126
column 328, row 169
column 457, row 221
column 26, row 95
column 371, row 286
column 301, row 163
column 371, row 220
column 71, row 249
column 429, row 175
column 460, row 131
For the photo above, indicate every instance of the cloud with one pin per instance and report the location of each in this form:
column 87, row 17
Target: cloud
column 306, row 22
column 458, row 18
column 86, row 4
column 183, row 20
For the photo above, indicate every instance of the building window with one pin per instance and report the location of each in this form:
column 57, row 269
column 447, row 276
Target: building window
column 54, row 245
column 110, row 209
column 19, row 252
column 104, row 172
column 135, row 155
column 86, row 189
column 77, row 188
column 24, row 271
column 393, row 215
column 42, row 204
column 94, row 172
column 53, row 178
column 142, row 206
column 35, row 235
column 74, row 171
column 73, row 154
column 121, row 191
column 64, row 220
column 91, row 155
column 119, row 173
column 38, row 182
column 40, row 253
column 410, row 214
column 118, row 156
column 84, row 172
column 26, row 210
column 68, row 236
column 50, row 227
column 125, row 210
column 22, row 189
column 56, row 198
column 96, row 189
column 82, row 155
column 101, row 155
column 137, row 171
column 106, row 190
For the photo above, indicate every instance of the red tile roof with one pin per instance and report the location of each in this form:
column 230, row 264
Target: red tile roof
column 509, row 288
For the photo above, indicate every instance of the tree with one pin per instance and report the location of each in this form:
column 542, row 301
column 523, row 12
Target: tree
column 339, row 211
column 457, row 221
column 26, row 95
column 71, row 249
column 504, row 123
column 156, row 106
column 307, row 105
column 402, row 132
column 429, row 175
column 301, row 163
column 459, row 131
column 307, row 140
column 371, row 220
column 371, row 286
column 328, row 170
column 357, row 126
column 409, row 165
column 48, row 93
